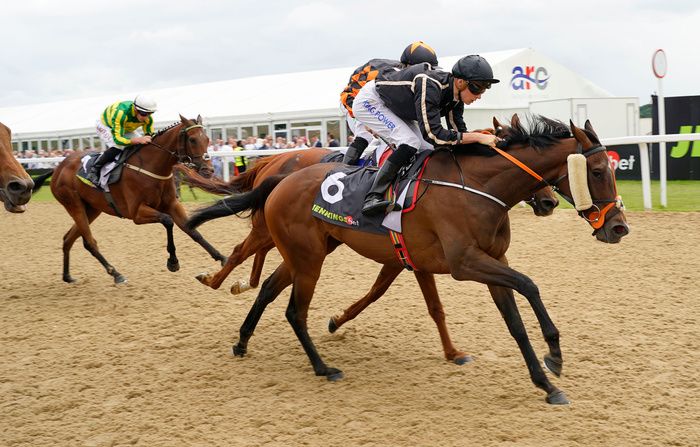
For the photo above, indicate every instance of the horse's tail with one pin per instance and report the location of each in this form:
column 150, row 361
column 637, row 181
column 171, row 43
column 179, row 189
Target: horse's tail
column 40, row 180
column 240, row 183
column 253, row 201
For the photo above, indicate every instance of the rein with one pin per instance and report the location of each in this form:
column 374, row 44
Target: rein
column 180, row 153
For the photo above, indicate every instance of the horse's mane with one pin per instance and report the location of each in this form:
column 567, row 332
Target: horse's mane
column 539, row 133
column 167, row 128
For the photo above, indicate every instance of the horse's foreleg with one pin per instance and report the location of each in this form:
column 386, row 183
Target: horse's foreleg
column 436, row 311
column 146, row 215
column 386, row 276
column 271, row 288
column 474, row 264
column 503, row 297
column 177, row 212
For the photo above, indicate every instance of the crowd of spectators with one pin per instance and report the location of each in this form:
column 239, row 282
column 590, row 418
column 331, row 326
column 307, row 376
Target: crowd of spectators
column 237, row 164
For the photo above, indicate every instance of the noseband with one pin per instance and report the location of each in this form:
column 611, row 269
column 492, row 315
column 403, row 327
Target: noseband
column 594, row 215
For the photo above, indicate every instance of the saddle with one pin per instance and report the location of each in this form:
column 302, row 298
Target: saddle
column 343, row 191
column 111, row 172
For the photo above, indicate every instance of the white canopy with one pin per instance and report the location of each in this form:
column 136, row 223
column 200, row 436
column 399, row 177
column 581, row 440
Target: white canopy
column 525, row 76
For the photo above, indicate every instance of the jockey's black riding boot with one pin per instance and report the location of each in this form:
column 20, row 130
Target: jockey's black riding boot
column 374, row 201
column 355, row 150
column 110, row 154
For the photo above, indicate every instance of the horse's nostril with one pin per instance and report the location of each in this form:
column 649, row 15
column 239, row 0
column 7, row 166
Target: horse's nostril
column 16, row 186
column 621, row 230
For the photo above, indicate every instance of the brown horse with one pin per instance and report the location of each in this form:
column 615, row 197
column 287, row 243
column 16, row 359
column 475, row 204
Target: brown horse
column 259, row 243
column 145, row 193
column 447, row 234
column 15, row 184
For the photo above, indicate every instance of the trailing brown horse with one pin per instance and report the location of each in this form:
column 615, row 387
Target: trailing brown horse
column 145, row 193
column 15, row 184
column 446, row 234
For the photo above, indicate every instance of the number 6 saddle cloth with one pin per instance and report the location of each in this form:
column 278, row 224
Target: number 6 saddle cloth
column 343, row 192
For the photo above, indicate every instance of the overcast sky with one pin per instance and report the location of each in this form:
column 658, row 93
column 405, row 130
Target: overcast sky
column 64, row 49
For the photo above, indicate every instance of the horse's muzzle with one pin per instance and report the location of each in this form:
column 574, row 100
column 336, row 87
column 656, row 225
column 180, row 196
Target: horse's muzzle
column 16, row 194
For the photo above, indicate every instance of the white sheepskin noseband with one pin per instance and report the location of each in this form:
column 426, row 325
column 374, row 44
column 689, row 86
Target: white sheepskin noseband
column 578, row 181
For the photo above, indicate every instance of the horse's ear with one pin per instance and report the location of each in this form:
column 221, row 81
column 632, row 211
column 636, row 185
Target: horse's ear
column 515, row 120
column 199, row 119
column 496, row 123
column 589, row 127
column 580, row 135
column 183, row 119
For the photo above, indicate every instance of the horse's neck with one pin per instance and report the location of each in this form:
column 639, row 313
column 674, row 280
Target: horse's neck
column 158, row 160
column 510, row 183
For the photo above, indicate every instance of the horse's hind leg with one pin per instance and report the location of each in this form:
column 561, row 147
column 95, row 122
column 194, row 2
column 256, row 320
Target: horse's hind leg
column 385, row 278
column 68, row 240
column 436, row 311
column 297, row 311
column 271, row 288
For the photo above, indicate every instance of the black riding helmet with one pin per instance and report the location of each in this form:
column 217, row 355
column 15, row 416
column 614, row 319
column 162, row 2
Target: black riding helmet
column 419, row 52
column 474, row 68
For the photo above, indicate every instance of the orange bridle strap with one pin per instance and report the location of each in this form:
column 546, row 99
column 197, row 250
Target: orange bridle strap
column 518, row 163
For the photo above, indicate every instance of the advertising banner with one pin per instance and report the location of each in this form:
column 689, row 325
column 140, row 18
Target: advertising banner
column 683, row 157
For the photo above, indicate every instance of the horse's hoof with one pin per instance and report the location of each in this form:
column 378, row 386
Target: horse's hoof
column 553, row 365
column 239, row 351
column 239, row 287
column 557, row 398
column 174, row 266
column 203, row 278
column 69, row 279
column 461, row 360
column 333, row 375
column 120, row 279
column 332, row 327
column 223, row 261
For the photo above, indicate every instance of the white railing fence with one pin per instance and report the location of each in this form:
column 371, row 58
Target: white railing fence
column 642, row 141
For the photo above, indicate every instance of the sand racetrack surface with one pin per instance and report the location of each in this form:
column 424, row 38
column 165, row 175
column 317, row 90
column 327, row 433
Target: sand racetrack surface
column 149, row 363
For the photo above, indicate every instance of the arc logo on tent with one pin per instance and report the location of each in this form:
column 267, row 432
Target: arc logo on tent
column 525, row 76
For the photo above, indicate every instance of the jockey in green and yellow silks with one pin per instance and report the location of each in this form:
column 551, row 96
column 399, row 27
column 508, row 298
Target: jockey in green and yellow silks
column 122, row 124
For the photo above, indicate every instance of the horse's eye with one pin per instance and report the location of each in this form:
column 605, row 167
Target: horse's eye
column 597, row 173
column 192, row 140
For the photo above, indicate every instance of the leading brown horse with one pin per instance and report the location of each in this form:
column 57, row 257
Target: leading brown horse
column 446, row 234
column 259, row 242
column 15, row 184
column 145, row 193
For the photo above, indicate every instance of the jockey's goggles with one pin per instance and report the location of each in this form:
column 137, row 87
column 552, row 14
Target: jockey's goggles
column 478, row 87
column 143, row 113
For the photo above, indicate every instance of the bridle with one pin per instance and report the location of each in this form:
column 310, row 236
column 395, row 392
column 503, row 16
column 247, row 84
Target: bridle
column 181, row 153
column 595, row 216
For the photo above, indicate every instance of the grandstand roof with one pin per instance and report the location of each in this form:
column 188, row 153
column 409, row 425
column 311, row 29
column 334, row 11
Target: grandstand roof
column 300, row 95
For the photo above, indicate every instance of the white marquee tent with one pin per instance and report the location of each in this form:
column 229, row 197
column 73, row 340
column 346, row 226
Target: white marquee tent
column 527, row 78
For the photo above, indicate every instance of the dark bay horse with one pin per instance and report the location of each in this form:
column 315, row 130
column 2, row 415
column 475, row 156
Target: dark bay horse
column 15, row 184
column 145, row 193
column 447, row 234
